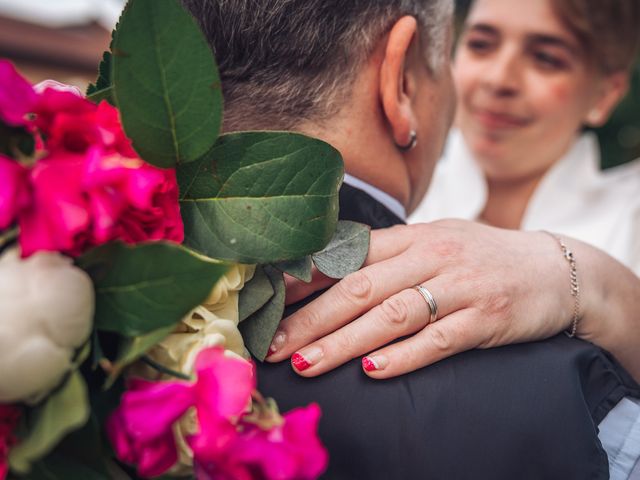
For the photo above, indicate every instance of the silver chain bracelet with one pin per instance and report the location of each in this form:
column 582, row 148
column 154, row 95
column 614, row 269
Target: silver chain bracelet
column 575, row 286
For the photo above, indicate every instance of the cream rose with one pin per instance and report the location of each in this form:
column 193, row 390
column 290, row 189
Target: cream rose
column 215, row 323
column 46, row 313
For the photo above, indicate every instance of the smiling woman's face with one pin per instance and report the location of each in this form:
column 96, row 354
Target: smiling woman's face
column 525, row 87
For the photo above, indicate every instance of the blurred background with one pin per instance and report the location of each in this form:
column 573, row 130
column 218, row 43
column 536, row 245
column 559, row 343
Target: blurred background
column 64, row 40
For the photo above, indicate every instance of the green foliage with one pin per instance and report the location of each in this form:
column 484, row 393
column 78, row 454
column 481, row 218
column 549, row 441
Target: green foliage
column 166, row 83
column 104, row 76
column 255, row 294
column 346, row 251
column 261, row 197
column 80, row 455
column 67, row 409
column 142, row 288
column 132, row 349
column 259, row 328
column 620, row 137
column 302, row 269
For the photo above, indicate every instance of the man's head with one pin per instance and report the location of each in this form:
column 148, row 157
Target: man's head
column 287, row 61
column 359, row 74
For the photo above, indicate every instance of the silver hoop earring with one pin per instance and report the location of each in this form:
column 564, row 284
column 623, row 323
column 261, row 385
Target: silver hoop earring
column 413, row 140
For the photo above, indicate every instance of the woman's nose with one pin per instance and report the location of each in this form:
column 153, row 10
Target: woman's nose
column 503, row 73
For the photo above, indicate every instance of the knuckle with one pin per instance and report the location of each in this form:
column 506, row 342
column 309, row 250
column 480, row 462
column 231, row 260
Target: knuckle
column 442, row 338
column 395, row 311
column 356, row 286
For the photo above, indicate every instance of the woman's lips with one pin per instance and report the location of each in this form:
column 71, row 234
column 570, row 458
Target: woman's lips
column 499, row 120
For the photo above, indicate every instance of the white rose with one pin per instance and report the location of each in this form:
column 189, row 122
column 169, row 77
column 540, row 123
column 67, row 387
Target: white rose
column 46, row 313
column 215, row 323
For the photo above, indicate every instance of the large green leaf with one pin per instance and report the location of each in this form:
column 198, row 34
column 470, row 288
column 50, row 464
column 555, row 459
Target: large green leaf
column 145, row 287
column 261, row 197
column 104, row 75
column 258, row 330
column 166, row 82
column 67, row 409
column 346, row 251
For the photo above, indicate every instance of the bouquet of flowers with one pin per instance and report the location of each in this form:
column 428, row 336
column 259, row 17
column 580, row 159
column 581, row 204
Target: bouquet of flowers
column 142, row 255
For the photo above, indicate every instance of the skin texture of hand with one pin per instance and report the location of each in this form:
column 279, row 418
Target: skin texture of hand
column 493, row 287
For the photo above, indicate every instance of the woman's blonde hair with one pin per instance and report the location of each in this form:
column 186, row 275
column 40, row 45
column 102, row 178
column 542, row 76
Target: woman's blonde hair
column 608, row 30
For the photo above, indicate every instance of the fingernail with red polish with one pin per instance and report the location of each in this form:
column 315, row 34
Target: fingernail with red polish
column 373, row 363
column 303, row 360
column 277, row 343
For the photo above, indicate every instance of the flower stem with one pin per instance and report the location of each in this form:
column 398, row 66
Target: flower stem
column 162, row 369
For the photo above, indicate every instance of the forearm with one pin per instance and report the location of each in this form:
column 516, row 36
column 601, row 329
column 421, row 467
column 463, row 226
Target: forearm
column 610, row 301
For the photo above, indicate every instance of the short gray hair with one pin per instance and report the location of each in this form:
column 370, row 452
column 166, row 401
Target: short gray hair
column 286, row 61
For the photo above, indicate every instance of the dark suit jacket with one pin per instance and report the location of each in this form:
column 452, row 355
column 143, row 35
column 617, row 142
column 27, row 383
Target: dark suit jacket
column 527, row 411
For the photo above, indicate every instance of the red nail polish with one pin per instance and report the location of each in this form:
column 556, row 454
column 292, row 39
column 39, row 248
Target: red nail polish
column 270, row 352
column 368, row 364
column 299, row 362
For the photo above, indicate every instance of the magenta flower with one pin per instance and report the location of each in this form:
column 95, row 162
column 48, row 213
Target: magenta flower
column 141, row 428
column 285, row 452
column 17, row 98
column 14, row 190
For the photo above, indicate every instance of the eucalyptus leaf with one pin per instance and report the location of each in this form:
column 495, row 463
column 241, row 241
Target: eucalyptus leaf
column 261, row 197
column 255, row 294
column 67, row 409
column 300, row 269
column 166, row 82
column 133, row 348
column 259, row 328
column 142, row 288
column 346, row 251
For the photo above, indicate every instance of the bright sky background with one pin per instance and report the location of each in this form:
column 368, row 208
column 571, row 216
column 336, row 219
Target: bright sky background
column 60, row 13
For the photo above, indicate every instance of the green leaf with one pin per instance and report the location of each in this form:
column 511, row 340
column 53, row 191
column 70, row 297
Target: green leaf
column 104, row 75
column 166, row 81
column 261, row 197
column 300, row 269
column 259, row 328
column 133, row 348
column 346, row 251
column 99, row 95
column 67, row 409
column 81, row 455
column 145, row 287
column 255, row 294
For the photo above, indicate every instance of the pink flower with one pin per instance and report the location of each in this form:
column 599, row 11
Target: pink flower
column 9, row 416
column 14, row 192
column 17, row 98
column 80, row 200
column 141, row 428
column 289, row 451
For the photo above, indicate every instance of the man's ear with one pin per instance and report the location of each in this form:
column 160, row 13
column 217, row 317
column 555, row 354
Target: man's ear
column 397, row 82
column 614, row 87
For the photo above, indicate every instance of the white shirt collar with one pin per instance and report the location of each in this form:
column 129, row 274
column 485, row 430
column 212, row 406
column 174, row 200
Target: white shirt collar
column 384, row 198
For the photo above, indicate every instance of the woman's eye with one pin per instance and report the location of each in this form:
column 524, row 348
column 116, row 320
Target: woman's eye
column 478, row 45
column 550, row 61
